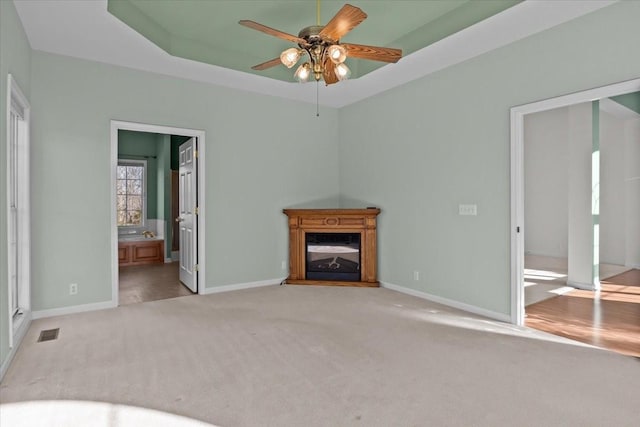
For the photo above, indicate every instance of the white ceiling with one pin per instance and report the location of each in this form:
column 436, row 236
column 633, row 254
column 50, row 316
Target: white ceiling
column 84, row 29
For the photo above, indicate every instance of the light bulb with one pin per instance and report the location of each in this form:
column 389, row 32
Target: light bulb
column 342, row 72
column 289, row 57
column 337, row 53
column 303, row 72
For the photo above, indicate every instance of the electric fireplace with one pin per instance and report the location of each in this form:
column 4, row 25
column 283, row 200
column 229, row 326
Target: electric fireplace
column 333, row 256
column 332, row 247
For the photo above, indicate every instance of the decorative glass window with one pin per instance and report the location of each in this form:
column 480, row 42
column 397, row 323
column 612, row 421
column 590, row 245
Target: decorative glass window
column 130, row 193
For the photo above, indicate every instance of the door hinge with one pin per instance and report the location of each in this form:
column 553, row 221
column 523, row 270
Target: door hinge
column 197, row 210
column 517, row 229
column 195, row 153
column 196, row 268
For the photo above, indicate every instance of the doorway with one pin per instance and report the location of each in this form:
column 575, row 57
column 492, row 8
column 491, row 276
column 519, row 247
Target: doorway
column 517, row 177
column 600, row 240
column 145, row 263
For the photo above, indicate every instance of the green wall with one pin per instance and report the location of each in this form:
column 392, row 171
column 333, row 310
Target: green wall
column 629, row 100
column 15, row 58
column 420, row 150
column 143, row 146
column 164, row 189
column 252, row 171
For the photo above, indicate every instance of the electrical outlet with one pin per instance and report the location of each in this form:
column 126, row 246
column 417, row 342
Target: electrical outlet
column 416, row 275
column 283, row 265
column 468, row 210
column 73, row 289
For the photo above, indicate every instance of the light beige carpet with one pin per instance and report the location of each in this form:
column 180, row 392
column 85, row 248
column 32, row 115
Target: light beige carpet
column 314, row 356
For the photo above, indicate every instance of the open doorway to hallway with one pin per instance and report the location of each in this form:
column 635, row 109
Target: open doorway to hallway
column 156, row 200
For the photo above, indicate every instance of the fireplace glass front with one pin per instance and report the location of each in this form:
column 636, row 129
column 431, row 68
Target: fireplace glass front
column 333, row 256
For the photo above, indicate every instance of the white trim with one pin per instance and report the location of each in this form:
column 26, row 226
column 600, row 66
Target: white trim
column 168, row 260
column 117, row 125
column 637, row 266
column 517, row 220
column 14, row 93
column 239, row 286
column 448, row 302
column 517, row 176
column 19, row 335
column 40, row 314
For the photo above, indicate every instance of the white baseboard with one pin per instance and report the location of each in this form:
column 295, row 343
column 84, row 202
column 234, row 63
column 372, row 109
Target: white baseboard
column 448, row 302
column 239, row 286
column 175, row 255
column 636, row 266
column 580, row 285
column 73, row 309
column 17, row 340
column 168, row 260
column 557, row 256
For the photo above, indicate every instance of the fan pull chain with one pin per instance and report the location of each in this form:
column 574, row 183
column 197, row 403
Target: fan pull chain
column 318, row 12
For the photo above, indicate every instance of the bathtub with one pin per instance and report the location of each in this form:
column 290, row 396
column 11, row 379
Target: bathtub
column 137, row 250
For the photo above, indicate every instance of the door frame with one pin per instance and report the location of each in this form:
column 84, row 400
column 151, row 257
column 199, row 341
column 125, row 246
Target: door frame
column 517, row 176
column 117, row 125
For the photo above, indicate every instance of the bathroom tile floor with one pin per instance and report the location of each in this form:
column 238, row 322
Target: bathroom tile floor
column 150, row 283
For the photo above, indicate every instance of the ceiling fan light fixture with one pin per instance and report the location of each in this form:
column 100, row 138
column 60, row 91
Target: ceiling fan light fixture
column 322, row 43
column 303, row 72
column 342, row 72
column 337, row 53
column 290, row 57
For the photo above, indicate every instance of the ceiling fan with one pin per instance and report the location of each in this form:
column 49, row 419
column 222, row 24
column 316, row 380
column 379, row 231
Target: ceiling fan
column 322, row 44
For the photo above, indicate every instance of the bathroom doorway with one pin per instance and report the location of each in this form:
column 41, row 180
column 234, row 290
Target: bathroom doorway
column 146, row 263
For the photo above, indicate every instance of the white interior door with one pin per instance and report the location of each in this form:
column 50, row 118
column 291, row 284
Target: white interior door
column 187, row 215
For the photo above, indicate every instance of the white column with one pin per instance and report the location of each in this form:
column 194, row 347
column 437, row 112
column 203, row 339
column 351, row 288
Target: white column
column 632, row 192
column 581, row 198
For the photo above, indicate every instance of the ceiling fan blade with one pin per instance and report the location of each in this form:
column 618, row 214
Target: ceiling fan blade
column 268, row 64
column 374, row 53
column 271, row 31
column 344, row 21
column 329, row 72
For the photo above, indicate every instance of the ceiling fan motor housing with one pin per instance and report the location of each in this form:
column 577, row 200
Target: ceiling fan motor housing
column 316, row 46
column 312, row 34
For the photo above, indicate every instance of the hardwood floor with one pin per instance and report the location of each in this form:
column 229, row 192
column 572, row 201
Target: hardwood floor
column 546, row 277
column 150, row 283
column 609, row 318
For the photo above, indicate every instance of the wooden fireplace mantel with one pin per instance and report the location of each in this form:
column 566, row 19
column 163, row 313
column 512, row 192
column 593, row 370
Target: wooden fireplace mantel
column 302, row 221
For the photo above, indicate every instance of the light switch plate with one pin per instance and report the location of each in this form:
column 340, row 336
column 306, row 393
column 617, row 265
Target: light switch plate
column 468, row 210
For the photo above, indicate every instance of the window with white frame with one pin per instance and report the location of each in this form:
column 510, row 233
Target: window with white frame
column 16, row 119
column 18, row 209
column 131, row 193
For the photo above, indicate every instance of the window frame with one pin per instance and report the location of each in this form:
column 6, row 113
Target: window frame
column 134, row 229
column 18, row 211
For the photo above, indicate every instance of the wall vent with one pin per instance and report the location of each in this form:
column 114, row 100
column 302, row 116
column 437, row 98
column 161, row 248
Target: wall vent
column 48, row 335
